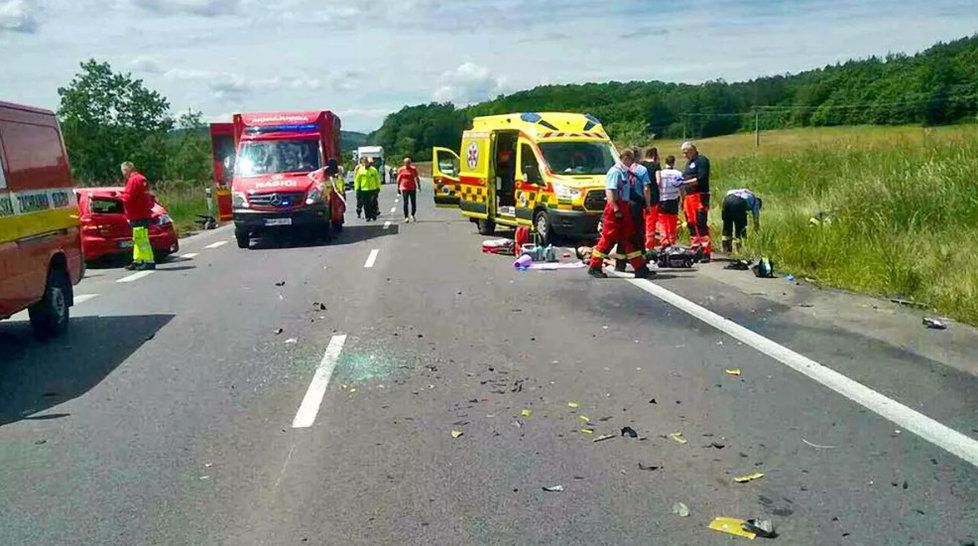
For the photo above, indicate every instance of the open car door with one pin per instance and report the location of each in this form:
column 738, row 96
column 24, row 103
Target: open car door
column 222, row 148
column 444, row 172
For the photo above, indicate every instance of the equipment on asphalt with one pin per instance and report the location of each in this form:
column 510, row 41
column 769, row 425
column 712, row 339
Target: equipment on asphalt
column 934, row 324
column 499, row 246
column 543, row 170
column 40, row 236
column 764, row 269
column 674, row 257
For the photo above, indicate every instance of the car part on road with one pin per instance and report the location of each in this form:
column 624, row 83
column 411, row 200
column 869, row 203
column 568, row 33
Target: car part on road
column 629, row 431
column 680, row 509
column 553, row 488
column 604, row 437
column 679, row 438
column 748, row 477
column 763, row 528
column 648, row 467
column 731, row 526
column 732, row 371
column 50, row 316
column 457, row 433
column 934, row 324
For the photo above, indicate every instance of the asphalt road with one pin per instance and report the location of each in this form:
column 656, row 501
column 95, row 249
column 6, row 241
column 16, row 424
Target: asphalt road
column 175, row 411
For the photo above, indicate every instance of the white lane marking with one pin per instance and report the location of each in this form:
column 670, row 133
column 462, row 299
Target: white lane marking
column 82, row 298
column 387, row 224
column 216, row 244
column 136, row 276
column 371, row 258
column 188, row 256
column 934, row 432
column 306, row 416
column 393, row 210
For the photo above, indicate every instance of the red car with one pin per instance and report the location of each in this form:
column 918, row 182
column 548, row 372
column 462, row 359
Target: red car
column 105, row 231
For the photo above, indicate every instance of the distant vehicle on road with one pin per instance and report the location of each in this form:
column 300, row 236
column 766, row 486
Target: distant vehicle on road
column 377, row 154
column 278, row 180
column 40, row 238
column 545, row 170
column 105, row 231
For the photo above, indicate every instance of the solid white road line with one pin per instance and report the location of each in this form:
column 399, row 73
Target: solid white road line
column 216, row 244
column 934, row 432
column 371, row 258
column 136, row 276
column 387, row 224
column 82, row 298
column 309, row 408
column 188, row 256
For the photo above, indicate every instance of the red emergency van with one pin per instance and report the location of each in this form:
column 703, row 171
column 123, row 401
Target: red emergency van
column 278, row 181
column 40, row 239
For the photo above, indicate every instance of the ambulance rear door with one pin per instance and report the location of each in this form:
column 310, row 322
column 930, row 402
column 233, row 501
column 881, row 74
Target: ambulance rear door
column 530, row 183
column 444, row 174
column 474, row 186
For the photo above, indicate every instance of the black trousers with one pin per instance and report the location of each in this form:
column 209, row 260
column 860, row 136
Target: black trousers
column 734, row 218
column 410, row 195
column 371, row 207
column 360, row 202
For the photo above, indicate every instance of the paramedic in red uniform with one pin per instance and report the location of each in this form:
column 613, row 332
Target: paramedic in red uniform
column 651, row 162
column 138, row 204
column 617, row 224
column 696, row 205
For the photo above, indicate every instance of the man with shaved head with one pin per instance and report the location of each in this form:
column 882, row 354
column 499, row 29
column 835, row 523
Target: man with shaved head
column 696, row 205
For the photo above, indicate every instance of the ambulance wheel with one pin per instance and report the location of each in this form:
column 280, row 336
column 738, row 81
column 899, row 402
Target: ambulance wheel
column 543, row 227
column 242, row 237
column 486, row 227
column 49, row 317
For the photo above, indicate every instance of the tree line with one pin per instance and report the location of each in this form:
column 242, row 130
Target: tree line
column 936, row 86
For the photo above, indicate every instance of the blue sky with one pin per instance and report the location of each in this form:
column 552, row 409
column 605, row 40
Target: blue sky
column 366, row 58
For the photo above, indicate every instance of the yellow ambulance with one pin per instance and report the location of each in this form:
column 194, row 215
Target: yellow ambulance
column 544, row 170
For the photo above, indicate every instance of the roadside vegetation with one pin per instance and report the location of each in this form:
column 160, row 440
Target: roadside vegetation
column 898, row 207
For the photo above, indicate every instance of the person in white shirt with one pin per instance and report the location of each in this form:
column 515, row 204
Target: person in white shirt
column 670, row 182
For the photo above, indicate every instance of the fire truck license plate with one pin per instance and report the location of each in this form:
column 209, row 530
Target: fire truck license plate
column 278, row 222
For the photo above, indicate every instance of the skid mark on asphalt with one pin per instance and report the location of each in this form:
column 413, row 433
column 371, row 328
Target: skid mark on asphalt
column 216, row 244
column 371, row 258
column 136, row 276
column 306, row 416
column 934, row 432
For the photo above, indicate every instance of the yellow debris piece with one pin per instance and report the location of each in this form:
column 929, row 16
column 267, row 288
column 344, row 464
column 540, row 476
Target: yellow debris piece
column 749, row 477
column 732, row 371
column 573, row 404
column 456, row 433
column 678, row 437
column 587, row 431
column 731, row 526
column 526, row 412
column 584, row 418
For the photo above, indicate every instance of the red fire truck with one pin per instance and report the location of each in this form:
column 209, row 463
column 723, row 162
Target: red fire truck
column 278, row 181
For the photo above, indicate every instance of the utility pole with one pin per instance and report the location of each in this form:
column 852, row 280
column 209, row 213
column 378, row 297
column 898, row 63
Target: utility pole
column 757, row 128
column 684, row 126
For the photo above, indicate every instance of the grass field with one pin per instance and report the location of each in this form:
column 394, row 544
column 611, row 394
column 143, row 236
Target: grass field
column 184, row 200
column 902, row 204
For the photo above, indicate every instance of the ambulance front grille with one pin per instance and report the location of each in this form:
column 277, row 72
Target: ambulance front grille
column 276, row 199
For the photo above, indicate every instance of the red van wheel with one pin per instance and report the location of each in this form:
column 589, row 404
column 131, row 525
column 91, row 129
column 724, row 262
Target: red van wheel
column 49, row 317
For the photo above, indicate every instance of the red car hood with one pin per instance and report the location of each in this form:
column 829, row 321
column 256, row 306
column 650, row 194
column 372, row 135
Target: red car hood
column 292, row 182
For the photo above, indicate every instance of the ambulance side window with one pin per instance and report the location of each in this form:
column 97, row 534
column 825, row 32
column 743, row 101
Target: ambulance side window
column 529, row 165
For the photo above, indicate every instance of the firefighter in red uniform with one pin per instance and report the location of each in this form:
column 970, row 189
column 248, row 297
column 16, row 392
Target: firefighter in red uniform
column 138, row 204
column 617, row 224
column 696, row 177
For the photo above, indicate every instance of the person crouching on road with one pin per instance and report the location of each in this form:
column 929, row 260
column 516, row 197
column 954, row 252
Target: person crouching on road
column 697, row 201
column 735, row 207
column 137, row 202
column 651, row 217
column 670, row 182
column 617, row 226
column 366, row 183
column 407, row 188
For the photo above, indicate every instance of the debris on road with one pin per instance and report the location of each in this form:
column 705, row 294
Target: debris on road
column 526, row 412
column 555, row 266
column 789, row 277
column 292, row 340
column 763, row 528
column 680, row 509
column 817, row 446
column 763, row 269
column 934, row 324
column 553, row 488
column 280, row 283
column 278, row 331
column 584, row 418
column 573, row 404
column 604, row 437
column 499, row 246
column 587, row 431
column 716, row 445
column 523, row 262
column 629, row 431
column 731, row 526
column 678, row 437
column 457, row 433
column 652, row 401
column 648, row 467
column 909, row 303
column 732, row 371
column 749, row 477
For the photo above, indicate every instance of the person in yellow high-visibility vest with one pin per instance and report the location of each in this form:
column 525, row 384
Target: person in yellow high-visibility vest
column 366, row 183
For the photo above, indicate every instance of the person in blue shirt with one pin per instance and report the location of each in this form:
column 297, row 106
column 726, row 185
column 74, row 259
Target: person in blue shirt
column 617, row 224
column 736, row 205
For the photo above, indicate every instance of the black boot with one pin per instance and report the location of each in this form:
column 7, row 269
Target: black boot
column 597, row 273
column 644, row 273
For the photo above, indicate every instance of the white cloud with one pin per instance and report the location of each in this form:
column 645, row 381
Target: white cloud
column 146, row 65
column 204, row 8
column 468, row 83
column 19, row 15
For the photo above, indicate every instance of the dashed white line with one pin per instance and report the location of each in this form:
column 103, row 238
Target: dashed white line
column 371, row 258
column 188, row 256
column 216, row 244
column 393, row 210
column 82, row 298
column 136, row 276
column 934, row 432
column 387, row 224
column 309, row 407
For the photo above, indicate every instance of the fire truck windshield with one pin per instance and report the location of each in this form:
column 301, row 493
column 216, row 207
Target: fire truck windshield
column 277, row 156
